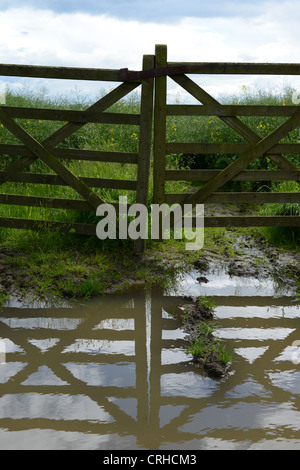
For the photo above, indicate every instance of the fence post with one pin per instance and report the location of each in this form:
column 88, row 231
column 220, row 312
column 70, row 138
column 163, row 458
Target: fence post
column 145, row 138
column 160, row 127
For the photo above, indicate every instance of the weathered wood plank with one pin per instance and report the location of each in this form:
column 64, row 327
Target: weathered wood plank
column 239, row 198
column 252, row 221
column 82, row 117
column 66, row 73
column 38, row 201
column 75, row 154
column 240, row 68
column 144, row 147
column 160, row 128
column 245, row 175
column 247, row 221
column 50, row 202
column 43, row 178
column 96, row 155
column 230, row 110
column 65, row 227
column 226, row 147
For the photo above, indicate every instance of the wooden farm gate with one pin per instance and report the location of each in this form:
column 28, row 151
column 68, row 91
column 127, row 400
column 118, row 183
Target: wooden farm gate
column 48, row 152
column 155, row 68
column 253, row 147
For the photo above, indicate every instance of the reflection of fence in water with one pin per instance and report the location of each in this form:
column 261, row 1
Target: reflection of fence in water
column 118, row 367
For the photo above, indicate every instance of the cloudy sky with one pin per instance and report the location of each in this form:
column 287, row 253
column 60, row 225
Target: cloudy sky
column 116, row 34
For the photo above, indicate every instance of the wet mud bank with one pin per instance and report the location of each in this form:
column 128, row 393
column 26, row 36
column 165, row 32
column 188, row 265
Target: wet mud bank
column 82, row 275
column 198, row 323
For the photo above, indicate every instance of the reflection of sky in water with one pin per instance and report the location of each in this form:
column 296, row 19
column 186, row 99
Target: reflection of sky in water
column 253, row 333
column 40, row 439
column 42, row 322
column 118, row 324
column 44, row 376
column 251, row 353
column 107, row 375
column 174, row 356
column 173, row 334
column 249, row 388
column 221, row 283
column 252, row 398
column 187, row 384
column 9, row 370
column 52, row 406
column 256, row 415
column 101, row 346
column 287, row 380
column 255, row 311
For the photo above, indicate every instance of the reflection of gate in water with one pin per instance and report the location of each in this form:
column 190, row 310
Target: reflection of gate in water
column 117, row 367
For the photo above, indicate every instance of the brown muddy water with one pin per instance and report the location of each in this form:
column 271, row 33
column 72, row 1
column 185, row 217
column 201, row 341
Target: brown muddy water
column 112, row 373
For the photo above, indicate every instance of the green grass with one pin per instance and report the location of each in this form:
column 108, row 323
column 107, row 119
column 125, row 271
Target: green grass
column 205, row 344
column 283, row 236
column 207, row 302
column 212, row 129
column 108, row 137
column 62, row 249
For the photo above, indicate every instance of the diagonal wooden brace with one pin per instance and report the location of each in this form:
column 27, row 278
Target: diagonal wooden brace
column 47, row 157
column 235, row 123
column 232, row 170
column 71, row 127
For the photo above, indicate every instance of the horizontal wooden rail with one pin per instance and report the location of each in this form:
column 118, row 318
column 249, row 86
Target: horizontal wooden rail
column 38, row 201
column 245, row 175
column 50, row 202
column 250, row 221
column 227, row 147
column 242, row 197
column 73, row 115
column 43, row 178
column 90, row 229
column 230, row 110
column 65, row 227
column 172, row 68
column 253, row 221
column 74, row 154
column 238, row 68
column 65, row 73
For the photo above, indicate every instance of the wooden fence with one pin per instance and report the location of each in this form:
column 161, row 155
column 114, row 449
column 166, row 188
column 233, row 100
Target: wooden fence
column 254, row 147
column 155, row 68
column 47, row 151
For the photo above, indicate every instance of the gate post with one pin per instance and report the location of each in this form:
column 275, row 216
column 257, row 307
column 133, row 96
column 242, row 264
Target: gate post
column 145, row 139
column 160, row 111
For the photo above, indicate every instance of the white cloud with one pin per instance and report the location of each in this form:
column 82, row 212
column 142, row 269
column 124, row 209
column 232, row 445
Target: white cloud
column 32, row 36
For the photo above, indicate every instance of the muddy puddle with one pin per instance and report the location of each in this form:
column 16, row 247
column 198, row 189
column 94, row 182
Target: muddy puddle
column 113, row 373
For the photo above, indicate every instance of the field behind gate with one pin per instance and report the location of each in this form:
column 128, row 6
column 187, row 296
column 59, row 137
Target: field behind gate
column 92, row 154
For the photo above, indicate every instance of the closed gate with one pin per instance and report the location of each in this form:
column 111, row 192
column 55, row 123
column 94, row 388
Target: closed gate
column 210, row 182
column 252, row 148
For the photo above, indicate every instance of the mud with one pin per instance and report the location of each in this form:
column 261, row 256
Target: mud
column 196, row 312
column 241, row 254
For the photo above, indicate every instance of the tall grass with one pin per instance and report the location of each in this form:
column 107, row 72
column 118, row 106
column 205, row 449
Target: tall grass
column 125, row 138
column 208, row 129
column 90, row 137
column 289, row 236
